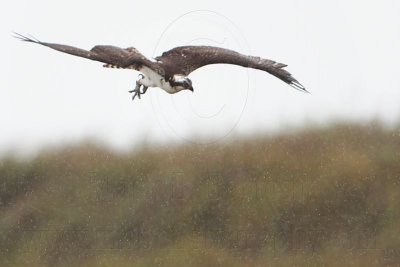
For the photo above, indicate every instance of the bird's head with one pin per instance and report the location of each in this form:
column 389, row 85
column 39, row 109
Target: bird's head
column 181, row 82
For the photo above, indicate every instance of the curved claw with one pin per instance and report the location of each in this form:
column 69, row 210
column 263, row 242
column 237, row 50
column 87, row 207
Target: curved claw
column 136, row 91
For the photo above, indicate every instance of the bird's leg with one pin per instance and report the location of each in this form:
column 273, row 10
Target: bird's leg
column 136, row 91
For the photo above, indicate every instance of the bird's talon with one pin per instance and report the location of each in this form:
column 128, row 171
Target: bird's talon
column 136, row 91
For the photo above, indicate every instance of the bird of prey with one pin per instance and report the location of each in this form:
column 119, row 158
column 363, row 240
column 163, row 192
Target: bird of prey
column 170, row 70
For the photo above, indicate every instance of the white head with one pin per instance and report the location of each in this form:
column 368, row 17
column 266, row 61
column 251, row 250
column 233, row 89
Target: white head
column 181, row 82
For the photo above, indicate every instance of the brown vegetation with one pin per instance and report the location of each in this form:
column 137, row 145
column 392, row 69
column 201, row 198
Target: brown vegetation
column 322, row 197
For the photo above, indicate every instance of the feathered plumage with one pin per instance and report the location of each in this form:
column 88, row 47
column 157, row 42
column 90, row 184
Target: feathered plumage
column 170, row 70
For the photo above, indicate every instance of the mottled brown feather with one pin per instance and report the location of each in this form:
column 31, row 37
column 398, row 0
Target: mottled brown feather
column 186, row 59
column 120, row 57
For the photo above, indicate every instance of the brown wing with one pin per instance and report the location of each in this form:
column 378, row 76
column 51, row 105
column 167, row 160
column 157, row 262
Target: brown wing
column 186, row 59
column 120, row 57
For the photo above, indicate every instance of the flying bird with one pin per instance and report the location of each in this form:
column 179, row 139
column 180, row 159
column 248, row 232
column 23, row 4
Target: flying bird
column 170, row 70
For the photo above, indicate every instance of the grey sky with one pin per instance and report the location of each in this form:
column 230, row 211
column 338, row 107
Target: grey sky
column 345, row 52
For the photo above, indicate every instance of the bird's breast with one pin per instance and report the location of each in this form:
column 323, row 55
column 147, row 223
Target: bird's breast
column 153, row 79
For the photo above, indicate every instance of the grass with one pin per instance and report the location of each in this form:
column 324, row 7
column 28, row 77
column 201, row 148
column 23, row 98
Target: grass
column 321, row 197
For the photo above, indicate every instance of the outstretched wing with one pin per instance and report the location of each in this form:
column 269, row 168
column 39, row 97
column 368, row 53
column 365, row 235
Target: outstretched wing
column 111, row 55
column 186, row 59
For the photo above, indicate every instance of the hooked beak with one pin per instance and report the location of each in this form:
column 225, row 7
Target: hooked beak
column 191, row 89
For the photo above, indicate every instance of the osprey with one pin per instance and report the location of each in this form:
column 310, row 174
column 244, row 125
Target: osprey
column 170, row 70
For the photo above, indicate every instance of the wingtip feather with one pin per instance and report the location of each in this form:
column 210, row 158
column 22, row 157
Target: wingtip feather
column 298, row 86
column 25, row 38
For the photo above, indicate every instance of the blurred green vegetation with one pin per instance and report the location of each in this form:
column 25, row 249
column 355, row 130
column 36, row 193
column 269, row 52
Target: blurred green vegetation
column 317, row 197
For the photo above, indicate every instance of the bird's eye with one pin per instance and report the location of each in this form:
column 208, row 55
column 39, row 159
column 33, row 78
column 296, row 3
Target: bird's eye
column 187, row 82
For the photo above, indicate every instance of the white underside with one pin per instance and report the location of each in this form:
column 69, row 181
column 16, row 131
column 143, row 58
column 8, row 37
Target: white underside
column 153, row 79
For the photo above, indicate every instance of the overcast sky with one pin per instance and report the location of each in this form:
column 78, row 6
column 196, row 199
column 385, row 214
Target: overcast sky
column 345, row 52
